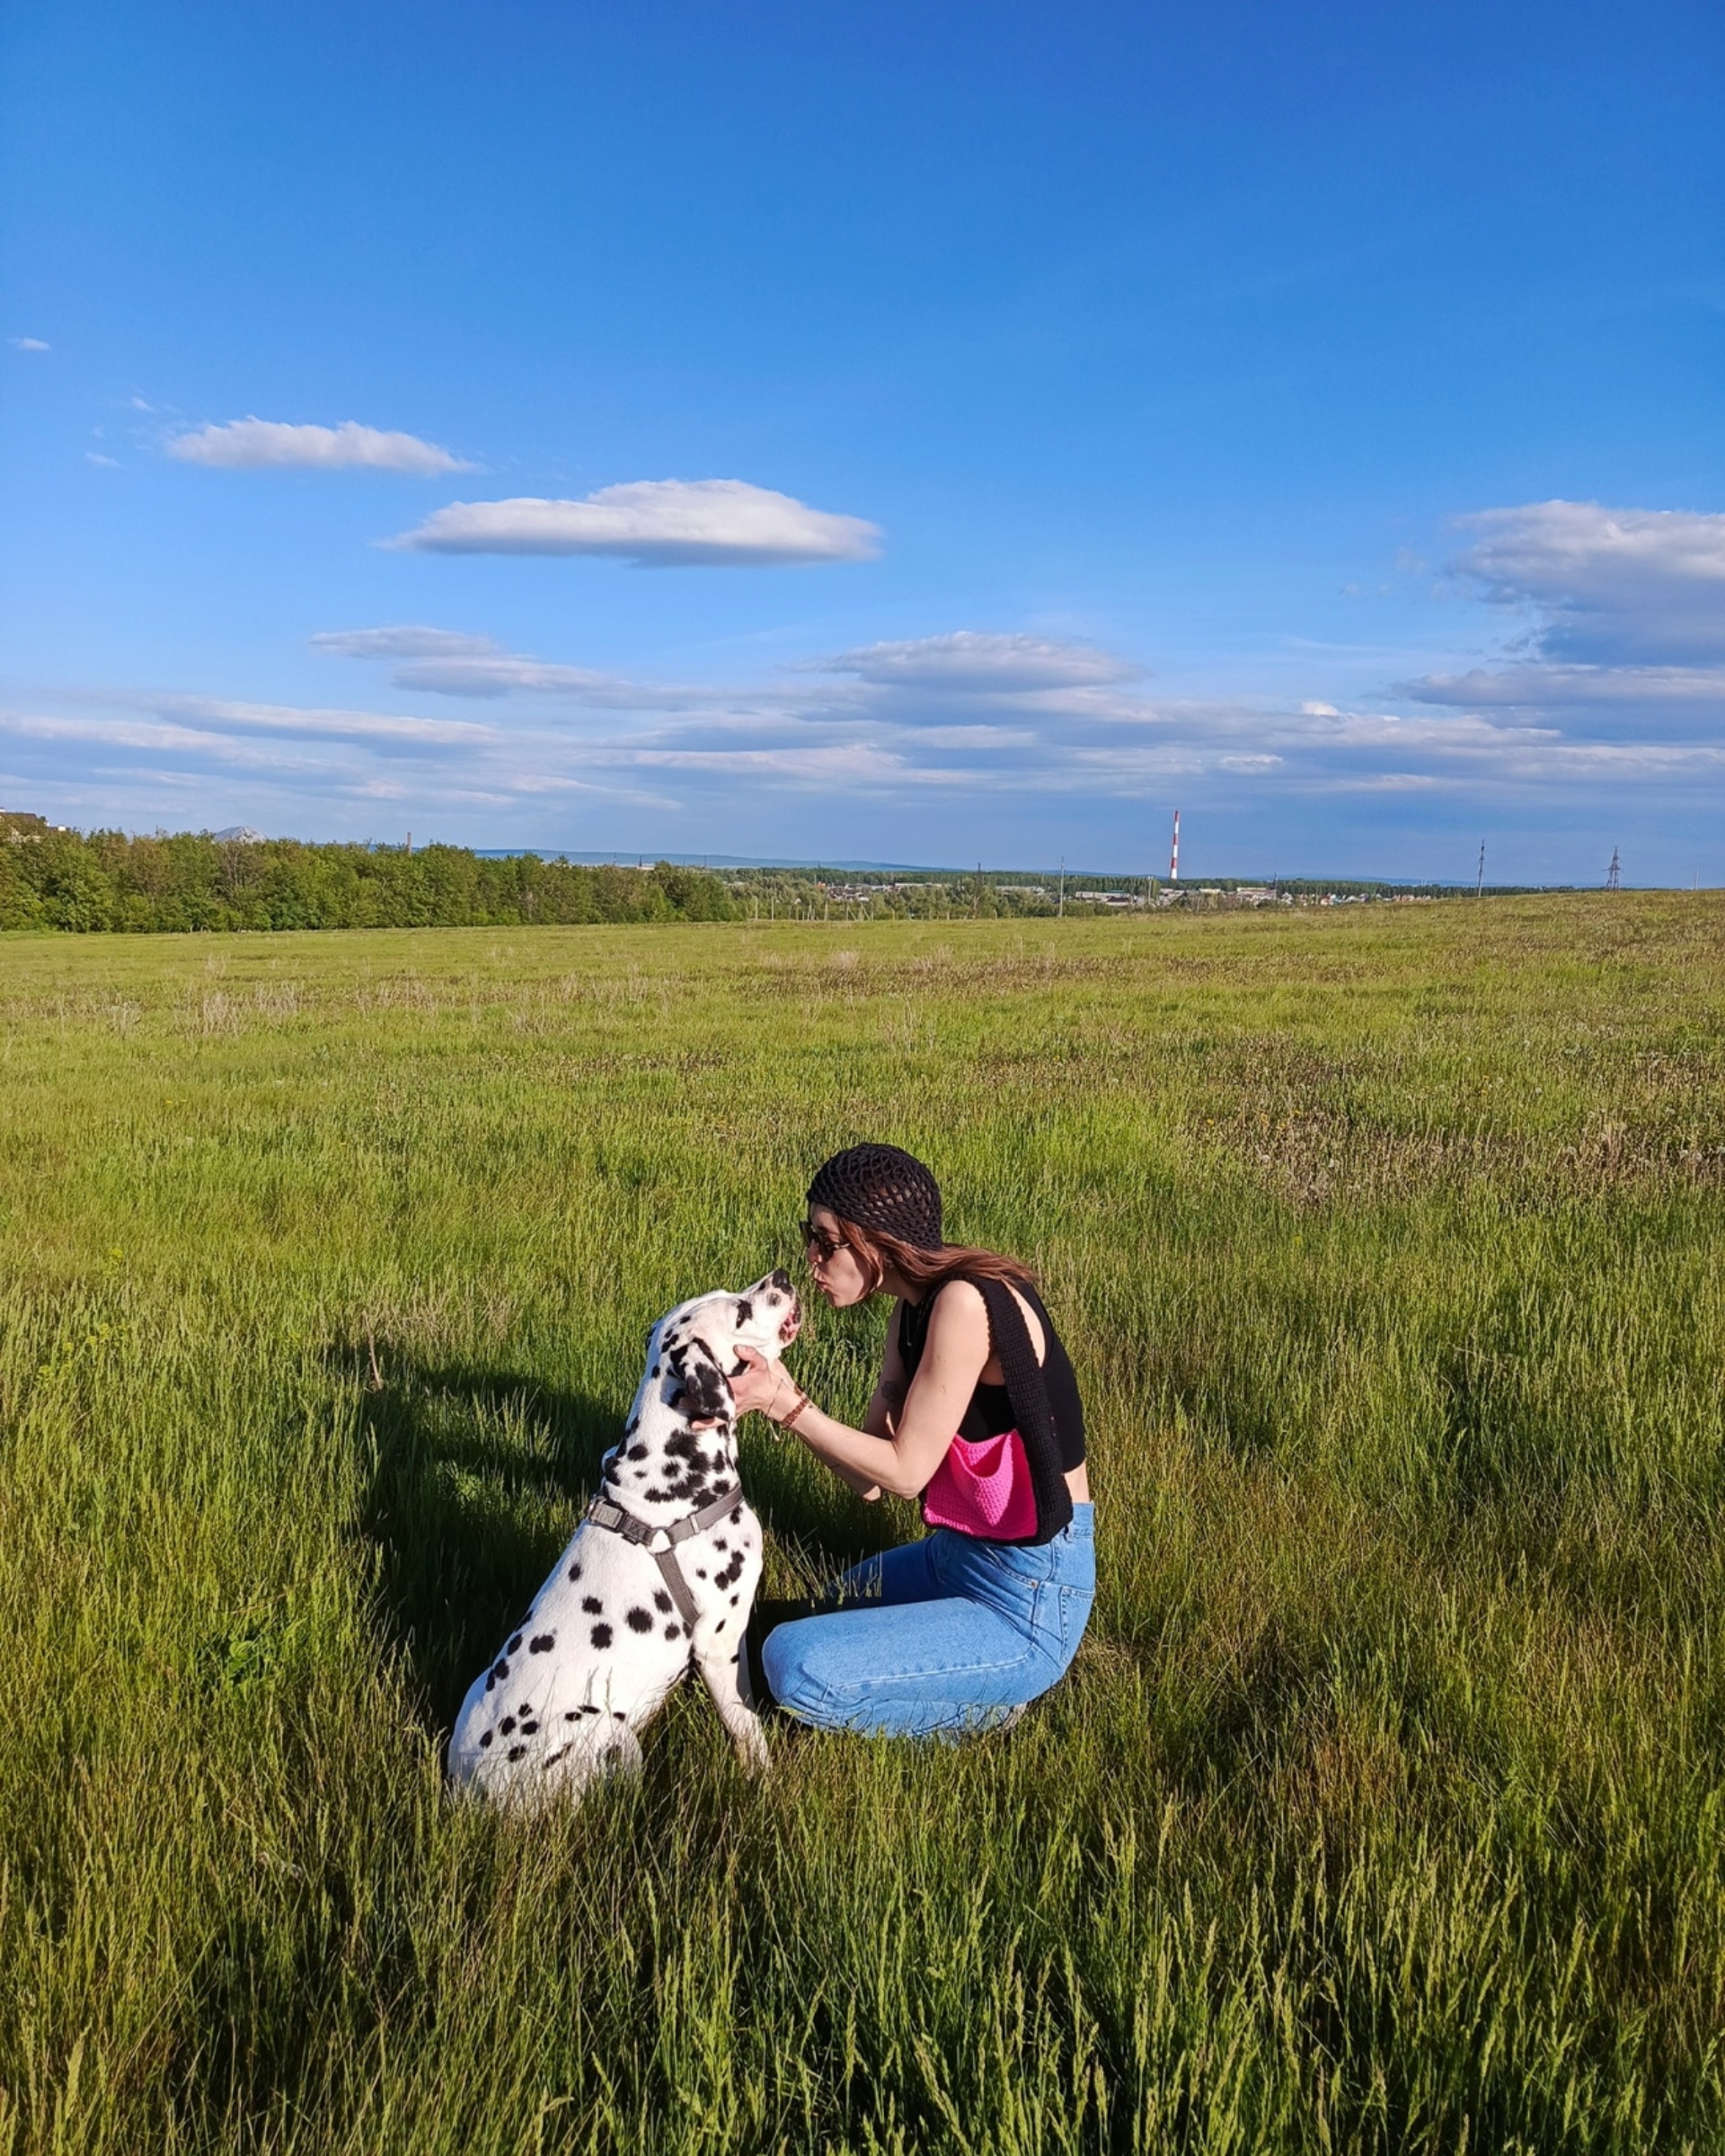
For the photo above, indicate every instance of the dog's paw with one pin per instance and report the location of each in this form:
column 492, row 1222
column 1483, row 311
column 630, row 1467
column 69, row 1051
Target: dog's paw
column 752, row 1754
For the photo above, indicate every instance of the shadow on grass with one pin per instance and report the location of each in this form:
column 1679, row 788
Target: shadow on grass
column 480, row 1473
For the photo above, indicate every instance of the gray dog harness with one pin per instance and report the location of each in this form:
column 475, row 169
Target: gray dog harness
column 603, row 1514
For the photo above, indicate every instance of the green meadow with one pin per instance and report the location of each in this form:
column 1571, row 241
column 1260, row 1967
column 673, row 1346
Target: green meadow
column 1382, row 1810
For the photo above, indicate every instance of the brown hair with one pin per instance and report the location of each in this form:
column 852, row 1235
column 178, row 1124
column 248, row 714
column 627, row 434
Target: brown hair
column 923, row 1268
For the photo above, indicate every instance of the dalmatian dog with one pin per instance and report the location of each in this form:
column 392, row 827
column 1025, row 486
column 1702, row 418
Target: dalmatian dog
column 662, row 1571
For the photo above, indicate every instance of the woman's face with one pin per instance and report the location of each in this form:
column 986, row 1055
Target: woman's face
column 837, row 1270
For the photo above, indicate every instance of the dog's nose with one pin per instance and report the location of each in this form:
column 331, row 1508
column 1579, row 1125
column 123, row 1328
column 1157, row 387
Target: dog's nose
column 781, row 1279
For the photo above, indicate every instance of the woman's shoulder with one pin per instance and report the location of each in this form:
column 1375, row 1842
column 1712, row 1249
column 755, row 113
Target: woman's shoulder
column 972, row 1294
column 956, row 1305
column 967, row 1313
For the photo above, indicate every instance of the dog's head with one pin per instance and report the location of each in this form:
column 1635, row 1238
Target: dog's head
column 701, row 1342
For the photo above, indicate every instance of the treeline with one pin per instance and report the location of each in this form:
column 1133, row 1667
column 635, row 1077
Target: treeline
column 105, row 881
column 59, row 879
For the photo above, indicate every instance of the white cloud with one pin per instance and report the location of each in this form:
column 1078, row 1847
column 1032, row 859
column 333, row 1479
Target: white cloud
column 656, row 522
column 222, row 715
column 1626, row 636
column 992, row 712
column 1014, row 719
column 95, row 457
column 255, row 445
column 448, row 663
column 28, row 344
column 1625, row 613
column 503, row 675
column 405, row 642
column 845, row 763
column 1612, row 587
column 970, row 662
column 1555, row 689
column 157, row 751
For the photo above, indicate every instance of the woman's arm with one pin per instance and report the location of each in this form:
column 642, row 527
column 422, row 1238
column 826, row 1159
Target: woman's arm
column 903, row 1460
column 882, row 1420
column 863, row 1483
column 888, row 1401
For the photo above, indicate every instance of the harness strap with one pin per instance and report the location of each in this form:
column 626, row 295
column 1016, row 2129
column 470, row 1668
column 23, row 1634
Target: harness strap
column 676, row 1586
column 603, row 1514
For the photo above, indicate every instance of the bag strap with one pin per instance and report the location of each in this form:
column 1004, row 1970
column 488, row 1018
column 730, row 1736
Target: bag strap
column 1027, row 1389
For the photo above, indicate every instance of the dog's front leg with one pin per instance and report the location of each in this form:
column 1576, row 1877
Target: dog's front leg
column 719, row 1671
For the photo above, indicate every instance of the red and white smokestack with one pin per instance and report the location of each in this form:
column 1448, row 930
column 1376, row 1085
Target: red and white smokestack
column 1173, row 864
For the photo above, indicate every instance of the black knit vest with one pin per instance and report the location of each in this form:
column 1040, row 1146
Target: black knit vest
column 1009, row 1338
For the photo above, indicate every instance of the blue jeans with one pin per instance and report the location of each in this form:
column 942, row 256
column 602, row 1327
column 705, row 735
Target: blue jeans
column 944, row 1635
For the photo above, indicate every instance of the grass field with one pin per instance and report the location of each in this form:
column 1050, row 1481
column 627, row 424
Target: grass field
column 1382, row 1809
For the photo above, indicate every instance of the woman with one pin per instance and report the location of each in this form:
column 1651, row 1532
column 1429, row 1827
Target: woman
column 977, row 1413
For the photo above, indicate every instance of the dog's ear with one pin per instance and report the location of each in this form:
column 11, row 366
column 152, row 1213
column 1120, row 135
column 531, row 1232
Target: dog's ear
column 706, row 1390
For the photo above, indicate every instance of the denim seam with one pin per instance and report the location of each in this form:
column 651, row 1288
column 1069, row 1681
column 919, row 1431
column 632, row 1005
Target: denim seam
column 860, row 1686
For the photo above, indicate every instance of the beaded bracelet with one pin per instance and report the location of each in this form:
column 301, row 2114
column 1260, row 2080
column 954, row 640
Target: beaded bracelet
column 789, row 1422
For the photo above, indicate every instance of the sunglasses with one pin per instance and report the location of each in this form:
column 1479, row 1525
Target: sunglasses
column 826, row 1247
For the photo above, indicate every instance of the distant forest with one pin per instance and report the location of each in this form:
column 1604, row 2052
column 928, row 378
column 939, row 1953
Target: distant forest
column 104, row 880
column 86, row 881
column 52, row 878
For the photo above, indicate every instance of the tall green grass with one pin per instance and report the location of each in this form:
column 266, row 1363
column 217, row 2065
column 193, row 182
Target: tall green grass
column 1382, row 1810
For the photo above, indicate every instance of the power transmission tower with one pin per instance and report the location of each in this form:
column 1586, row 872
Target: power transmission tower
column 1612, row 882
column 1479, row 887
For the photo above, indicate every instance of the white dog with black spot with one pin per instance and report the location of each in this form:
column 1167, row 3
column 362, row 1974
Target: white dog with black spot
column 662, row 1571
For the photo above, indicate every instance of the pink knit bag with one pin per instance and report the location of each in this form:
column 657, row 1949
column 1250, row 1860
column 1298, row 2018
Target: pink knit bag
column 983, row 1487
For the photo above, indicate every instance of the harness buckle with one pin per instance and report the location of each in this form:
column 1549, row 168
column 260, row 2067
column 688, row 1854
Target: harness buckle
column 614, row 1520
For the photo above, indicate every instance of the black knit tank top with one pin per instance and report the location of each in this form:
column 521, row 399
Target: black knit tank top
column 990, row 1410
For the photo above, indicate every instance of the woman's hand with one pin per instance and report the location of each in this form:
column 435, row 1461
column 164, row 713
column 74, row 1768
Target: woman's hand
column 761, row 1385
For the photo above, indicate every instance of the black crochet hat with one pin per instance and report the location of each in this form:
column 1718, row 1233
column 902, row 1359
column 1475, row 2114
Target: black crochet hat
column 881, row 1187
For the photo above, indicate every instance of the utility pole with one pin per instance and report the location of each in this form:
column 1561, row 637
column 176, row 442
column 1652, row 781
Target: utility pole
column 1060, row 908
column 1479, row 888
column 1174, row 859
column 1612, row 883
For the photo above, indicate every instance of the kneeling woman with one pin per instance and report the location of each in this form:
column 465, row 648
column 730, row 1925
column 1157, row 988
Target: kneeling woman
column 977, row 1413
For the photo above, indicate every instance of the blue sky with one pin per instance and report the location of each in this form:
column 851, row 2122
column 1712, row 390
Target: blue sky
column 942, row 434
